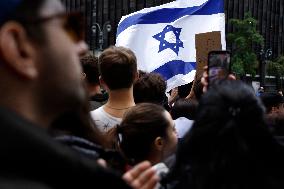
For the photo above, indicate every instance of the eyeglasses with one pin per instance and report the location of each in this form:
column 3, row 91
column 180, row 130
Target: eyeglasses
column 73, row 24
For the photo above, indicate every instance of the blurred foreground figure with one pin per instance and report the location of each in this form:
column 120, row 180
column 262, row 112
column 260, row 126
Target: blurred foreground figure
column 229, row 145
column 40, row 79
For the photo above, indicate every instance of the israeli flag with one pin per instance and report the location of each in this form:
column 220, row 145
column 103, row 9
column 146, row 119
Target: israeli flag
column 163, row 37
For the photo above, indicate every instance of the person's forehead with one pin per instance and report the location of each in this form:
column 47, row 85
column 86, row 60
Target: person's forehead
column 51, row 7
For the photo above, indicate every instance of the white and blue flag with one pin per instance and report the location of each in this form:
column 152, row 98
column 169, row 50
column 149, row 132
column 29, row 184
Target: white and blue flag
column 163, row 37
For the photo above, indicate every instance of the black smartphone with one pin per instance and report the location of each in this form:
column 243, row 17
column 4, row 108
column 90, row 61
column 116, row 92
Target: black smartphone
column 219, row 66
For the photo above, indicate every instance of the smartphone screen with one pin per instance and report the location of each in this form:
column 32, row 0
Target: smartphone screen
column 218, row 65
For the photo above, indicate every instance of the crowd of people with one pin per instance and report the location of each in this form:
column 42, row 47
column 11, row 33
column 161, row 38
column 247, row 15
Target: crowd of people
column 69, row 119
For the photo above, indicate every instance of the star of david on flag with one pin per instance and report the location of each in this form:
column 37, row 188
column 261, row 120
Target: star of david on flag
column 164, row 44
column 163, row 37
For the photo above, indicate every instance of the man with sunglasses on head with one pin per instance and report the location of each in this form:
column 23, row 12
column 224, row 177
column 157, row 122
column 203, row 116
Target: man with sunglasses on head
column 40, row 78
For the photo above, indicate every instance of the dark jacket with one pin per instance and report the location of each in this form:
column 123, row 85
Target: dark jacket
column 30, row 155
column 93, row 151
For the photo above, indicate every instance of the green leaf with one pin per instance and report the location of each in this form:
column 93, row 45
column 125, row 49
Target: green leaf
column 244, row 37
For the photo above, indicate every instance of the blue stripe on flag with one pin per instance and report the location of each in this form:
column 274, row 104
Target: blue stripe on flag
column 167, row 15
column 175, row 67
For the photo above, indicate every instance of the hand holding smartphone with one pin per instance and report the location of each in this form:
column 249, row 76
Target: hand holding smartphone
column 219, row 66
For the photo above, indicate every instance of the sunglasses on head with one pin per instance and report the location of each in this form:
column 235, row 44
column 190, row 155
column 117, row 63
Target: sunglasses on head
column 73, row 24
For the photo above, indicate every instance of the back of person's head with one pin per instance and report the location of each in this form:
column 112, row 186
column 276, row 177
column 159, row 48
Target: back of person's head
column 184, row 108
column 118, row 67
column 146, row 130
column 276, row 122
column 271, row 100
column 184, row 90
column 229, row 108
column 229, row 145
column 150, row 87
column 91, row 69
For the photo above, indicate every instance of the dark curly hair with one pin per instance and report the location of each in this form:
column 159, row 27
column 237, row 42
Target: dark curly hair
column 91, row 69
column 150, row 87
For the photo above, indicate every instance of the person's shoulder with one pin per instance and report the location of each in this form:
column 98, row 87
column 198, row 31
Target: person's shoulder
column 183, row 125
column 99, row 109
column 97, row 112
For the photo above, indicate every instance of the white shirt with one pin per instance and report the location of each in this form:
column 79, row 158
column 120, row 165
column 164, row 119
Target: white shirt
column 103, row 120
column 182, row 125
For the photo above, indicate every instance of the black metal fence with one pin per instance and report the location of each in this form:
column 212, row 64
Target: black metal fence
column 269, row 13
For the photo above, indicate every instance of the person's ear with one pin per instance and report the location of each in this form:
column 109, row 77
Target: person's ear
column 136, row 76
column 84, row 75
column 159, row 143
column 274, row 109
column 18, row 53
